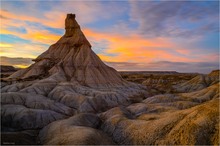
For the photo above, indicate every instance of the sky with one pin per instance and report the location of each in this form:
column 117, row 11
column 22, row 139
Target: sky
column 130, row 35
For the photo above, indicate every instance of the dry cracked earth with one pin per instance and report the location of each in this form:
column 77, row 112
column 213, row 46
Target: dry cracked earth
column 70, row 97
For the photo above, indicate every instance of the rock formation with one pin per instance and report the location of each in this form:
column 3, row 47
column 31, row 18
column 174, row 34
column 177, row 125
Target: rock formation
column 199, row 82
column 69, row 96
column 71, row 59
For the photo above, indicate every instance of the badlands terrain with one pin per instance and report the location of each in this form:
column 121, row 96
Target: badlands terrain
column 70, row 97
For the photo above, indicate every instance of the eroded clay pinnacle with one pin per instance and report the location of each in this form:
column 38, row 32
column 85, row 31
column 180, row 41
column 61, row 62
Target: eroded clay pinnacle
column 71, row 25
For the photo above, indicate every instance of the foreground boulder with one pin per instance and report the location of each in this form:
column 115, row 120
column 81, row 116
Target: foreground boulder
column 80, row 129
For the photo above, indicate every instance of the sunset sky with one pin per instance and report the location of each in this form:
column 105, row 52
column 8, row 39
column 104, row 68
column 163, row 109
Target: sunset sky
column 128, row 35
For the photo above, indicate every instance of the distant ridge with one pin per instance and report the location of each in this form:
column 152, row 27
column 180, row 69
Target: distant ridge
column 154, row 72
column 7, row 68
column 150, row 72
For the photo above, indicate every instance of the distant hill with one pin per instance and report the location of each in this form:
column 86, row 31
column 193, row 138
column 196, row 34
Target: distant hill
column 149, row 72
column 7, row 68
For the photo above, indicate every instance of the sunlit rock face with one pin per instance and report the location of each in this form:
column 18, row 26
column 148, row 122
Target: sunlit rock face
column 69, row 96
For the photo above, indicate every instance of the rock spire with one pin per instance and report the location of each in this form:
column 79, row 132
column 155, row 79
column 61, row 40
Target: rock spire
column 72, row 59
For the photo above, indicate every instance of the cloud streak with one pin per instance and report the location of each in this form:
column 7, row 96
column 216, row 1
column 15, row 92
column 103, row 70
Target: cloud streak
column 135, row 48
column 176, row 18
column 16, row 62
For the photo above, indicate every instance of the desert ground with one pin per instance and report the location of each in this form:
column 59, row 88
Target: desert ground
column 70, row 97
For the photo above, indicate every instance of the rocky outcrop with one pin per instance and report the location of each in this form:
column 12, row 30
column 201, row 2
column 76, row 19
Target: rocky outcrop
column 161, row 84
column 197, row 83
column 214, row 73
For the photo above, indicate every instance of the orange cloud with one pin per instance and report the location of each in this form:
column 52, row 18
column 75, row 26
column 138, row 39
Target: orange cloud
column 38, row 38
column 50, row 20
column 21, row 50
column 42, row 36
column 27, row 49
column 134, row 48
